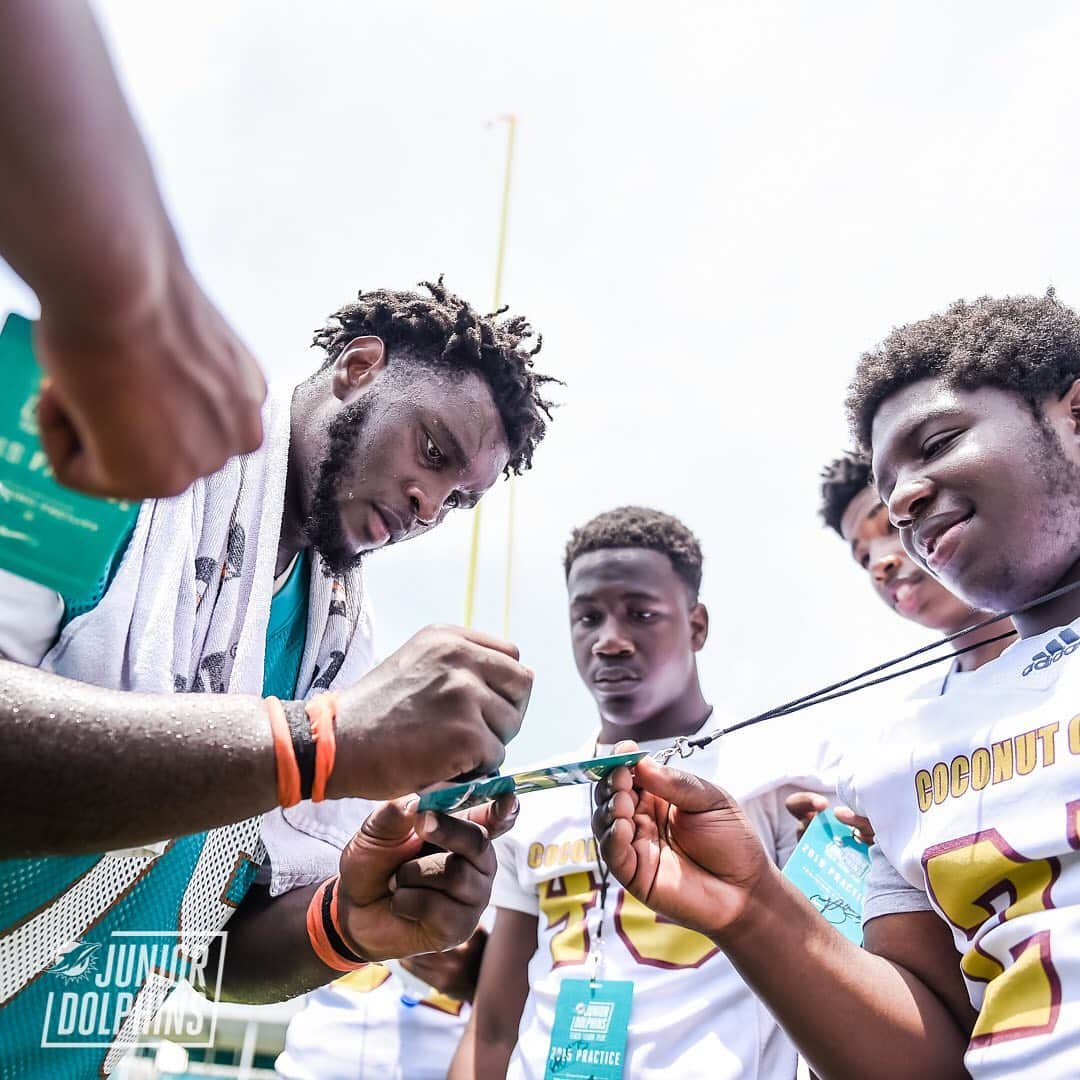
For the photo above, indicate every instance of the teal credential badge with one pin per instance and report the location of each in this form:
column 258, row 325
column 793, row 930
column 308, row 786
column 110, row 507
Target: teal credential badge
column 462, row 796
column 48, row 533
column 829, row 867
column 588, row 1038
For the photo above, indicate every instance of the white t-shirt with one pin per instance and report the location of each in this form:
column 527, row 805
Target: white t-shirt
column 692, row 1016
column 30, row 616
column 975, row 798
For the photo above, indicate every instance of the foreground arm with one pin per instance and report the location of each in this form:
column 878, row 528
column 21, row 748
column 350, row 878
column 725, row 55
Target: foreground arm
column 150, row 388
column 684, row 848
column 407, row 887
column 87, row 769
column 492, row 1032
column 850, row 1011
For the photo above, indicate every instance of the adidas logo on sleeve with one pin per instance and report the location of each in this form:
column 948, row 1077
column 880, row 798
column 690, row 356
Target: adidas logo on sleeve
column 1063, row 643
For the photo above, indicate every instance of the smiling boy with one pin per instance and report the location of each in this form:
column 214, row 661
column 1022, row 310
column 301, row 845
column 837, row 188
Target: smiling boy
column 973, row 420
column 637, row 625
column 850, row 505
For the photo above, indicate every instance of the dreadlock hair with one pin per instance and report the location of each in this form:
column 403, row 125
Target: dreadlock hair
column 447, row 334
column 1026, row 344
column 841, row 480
column 640, row 527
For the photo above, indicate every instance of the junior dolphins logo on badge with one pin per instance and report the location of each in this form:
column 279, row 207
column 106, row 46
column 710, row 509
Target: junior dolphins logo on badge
column 592, row 1020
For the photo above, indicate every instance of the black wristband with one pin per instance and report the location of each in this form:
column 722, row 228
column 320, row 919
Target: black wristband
column 303, row 744
column 336, row 941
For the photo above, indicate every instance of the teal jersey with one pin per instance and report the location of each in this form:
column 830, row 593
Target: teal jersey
column 286, row 632
column 118, row 923
column 91, row 945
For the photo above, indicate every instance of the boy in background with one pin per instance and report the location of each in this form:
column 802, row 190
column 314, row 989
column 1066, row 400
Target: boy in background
column 637, row 625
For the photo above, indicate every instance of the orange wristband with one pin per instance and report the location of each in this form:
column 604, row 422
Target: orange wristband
column 322, row 713
column 288, row 773
column 324, row 930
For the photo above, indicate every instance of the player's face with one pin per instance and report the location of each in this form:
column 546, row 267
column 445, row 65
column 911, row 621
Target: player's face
column 986, row 494
column 906, row 587
column 634, row 630
column 412, row 452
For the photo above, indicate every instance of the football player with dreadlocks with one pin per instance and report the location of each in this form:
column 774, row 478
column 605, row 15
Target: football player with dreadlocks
column 134, row 810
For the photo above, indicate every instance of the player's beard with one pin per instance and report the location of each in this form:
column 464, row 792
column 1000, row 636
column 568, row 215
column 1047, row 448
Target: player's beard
column 323, row 527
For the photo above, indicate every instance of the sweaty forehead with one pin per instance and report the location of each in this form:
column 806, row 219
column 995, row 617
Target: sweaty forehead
column 622, row 570
column 462, row 409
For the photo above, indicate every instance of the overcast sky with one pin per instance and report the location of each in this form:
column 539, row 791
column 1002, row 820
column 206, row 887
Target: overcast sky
column 716, row 208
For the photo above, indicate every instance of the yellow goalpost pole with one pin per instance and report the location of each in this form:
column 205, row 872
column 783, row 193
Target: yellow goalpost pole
column 474, row 546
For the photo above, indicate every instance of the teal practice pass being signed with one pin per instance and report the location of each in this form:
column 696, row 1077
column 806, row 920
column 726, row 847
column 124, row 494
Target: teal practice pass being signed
column 462, row 796
column 829, row 866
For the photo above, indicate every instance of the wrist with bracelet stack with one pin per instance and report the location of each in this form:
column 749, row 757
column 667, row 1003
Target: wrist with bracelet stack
column 304, row 753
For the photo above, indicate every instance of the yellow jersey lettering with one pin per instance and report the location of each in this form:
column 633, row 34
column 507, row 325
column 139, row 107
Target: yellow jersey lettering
column 924, row 790
column 1046, row 735
column 959, row 776
column 564, row 902
column 979, row 878
column 656, row 941
column 980, row 768
column 1003, row 761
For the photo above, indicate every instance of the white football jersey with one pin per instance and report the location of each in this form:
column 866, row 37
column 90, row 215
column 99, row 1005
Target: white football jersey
column 360, row 1028
column 692, row 1015
column 975, row 797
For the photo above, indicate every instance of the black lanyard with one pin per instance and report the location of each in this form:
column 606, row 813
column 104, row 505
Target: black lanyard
column 683, row 747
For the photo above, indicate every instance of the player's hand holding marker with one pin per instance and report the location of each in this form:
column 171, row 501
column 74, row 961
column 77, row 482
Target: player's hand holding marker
column 409, row 882
column 679, row 845
column 443, row 706
column 414, row 883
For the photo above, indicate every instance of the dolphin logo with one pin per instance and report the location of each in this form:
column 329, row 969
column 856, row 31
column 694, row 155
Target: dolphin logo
column 76, row 959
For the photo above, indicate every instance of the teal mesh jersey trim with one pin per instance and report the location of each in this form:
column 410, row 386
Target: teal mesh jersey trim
column 240, row 882
column 152, row 904
column 25, row 883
